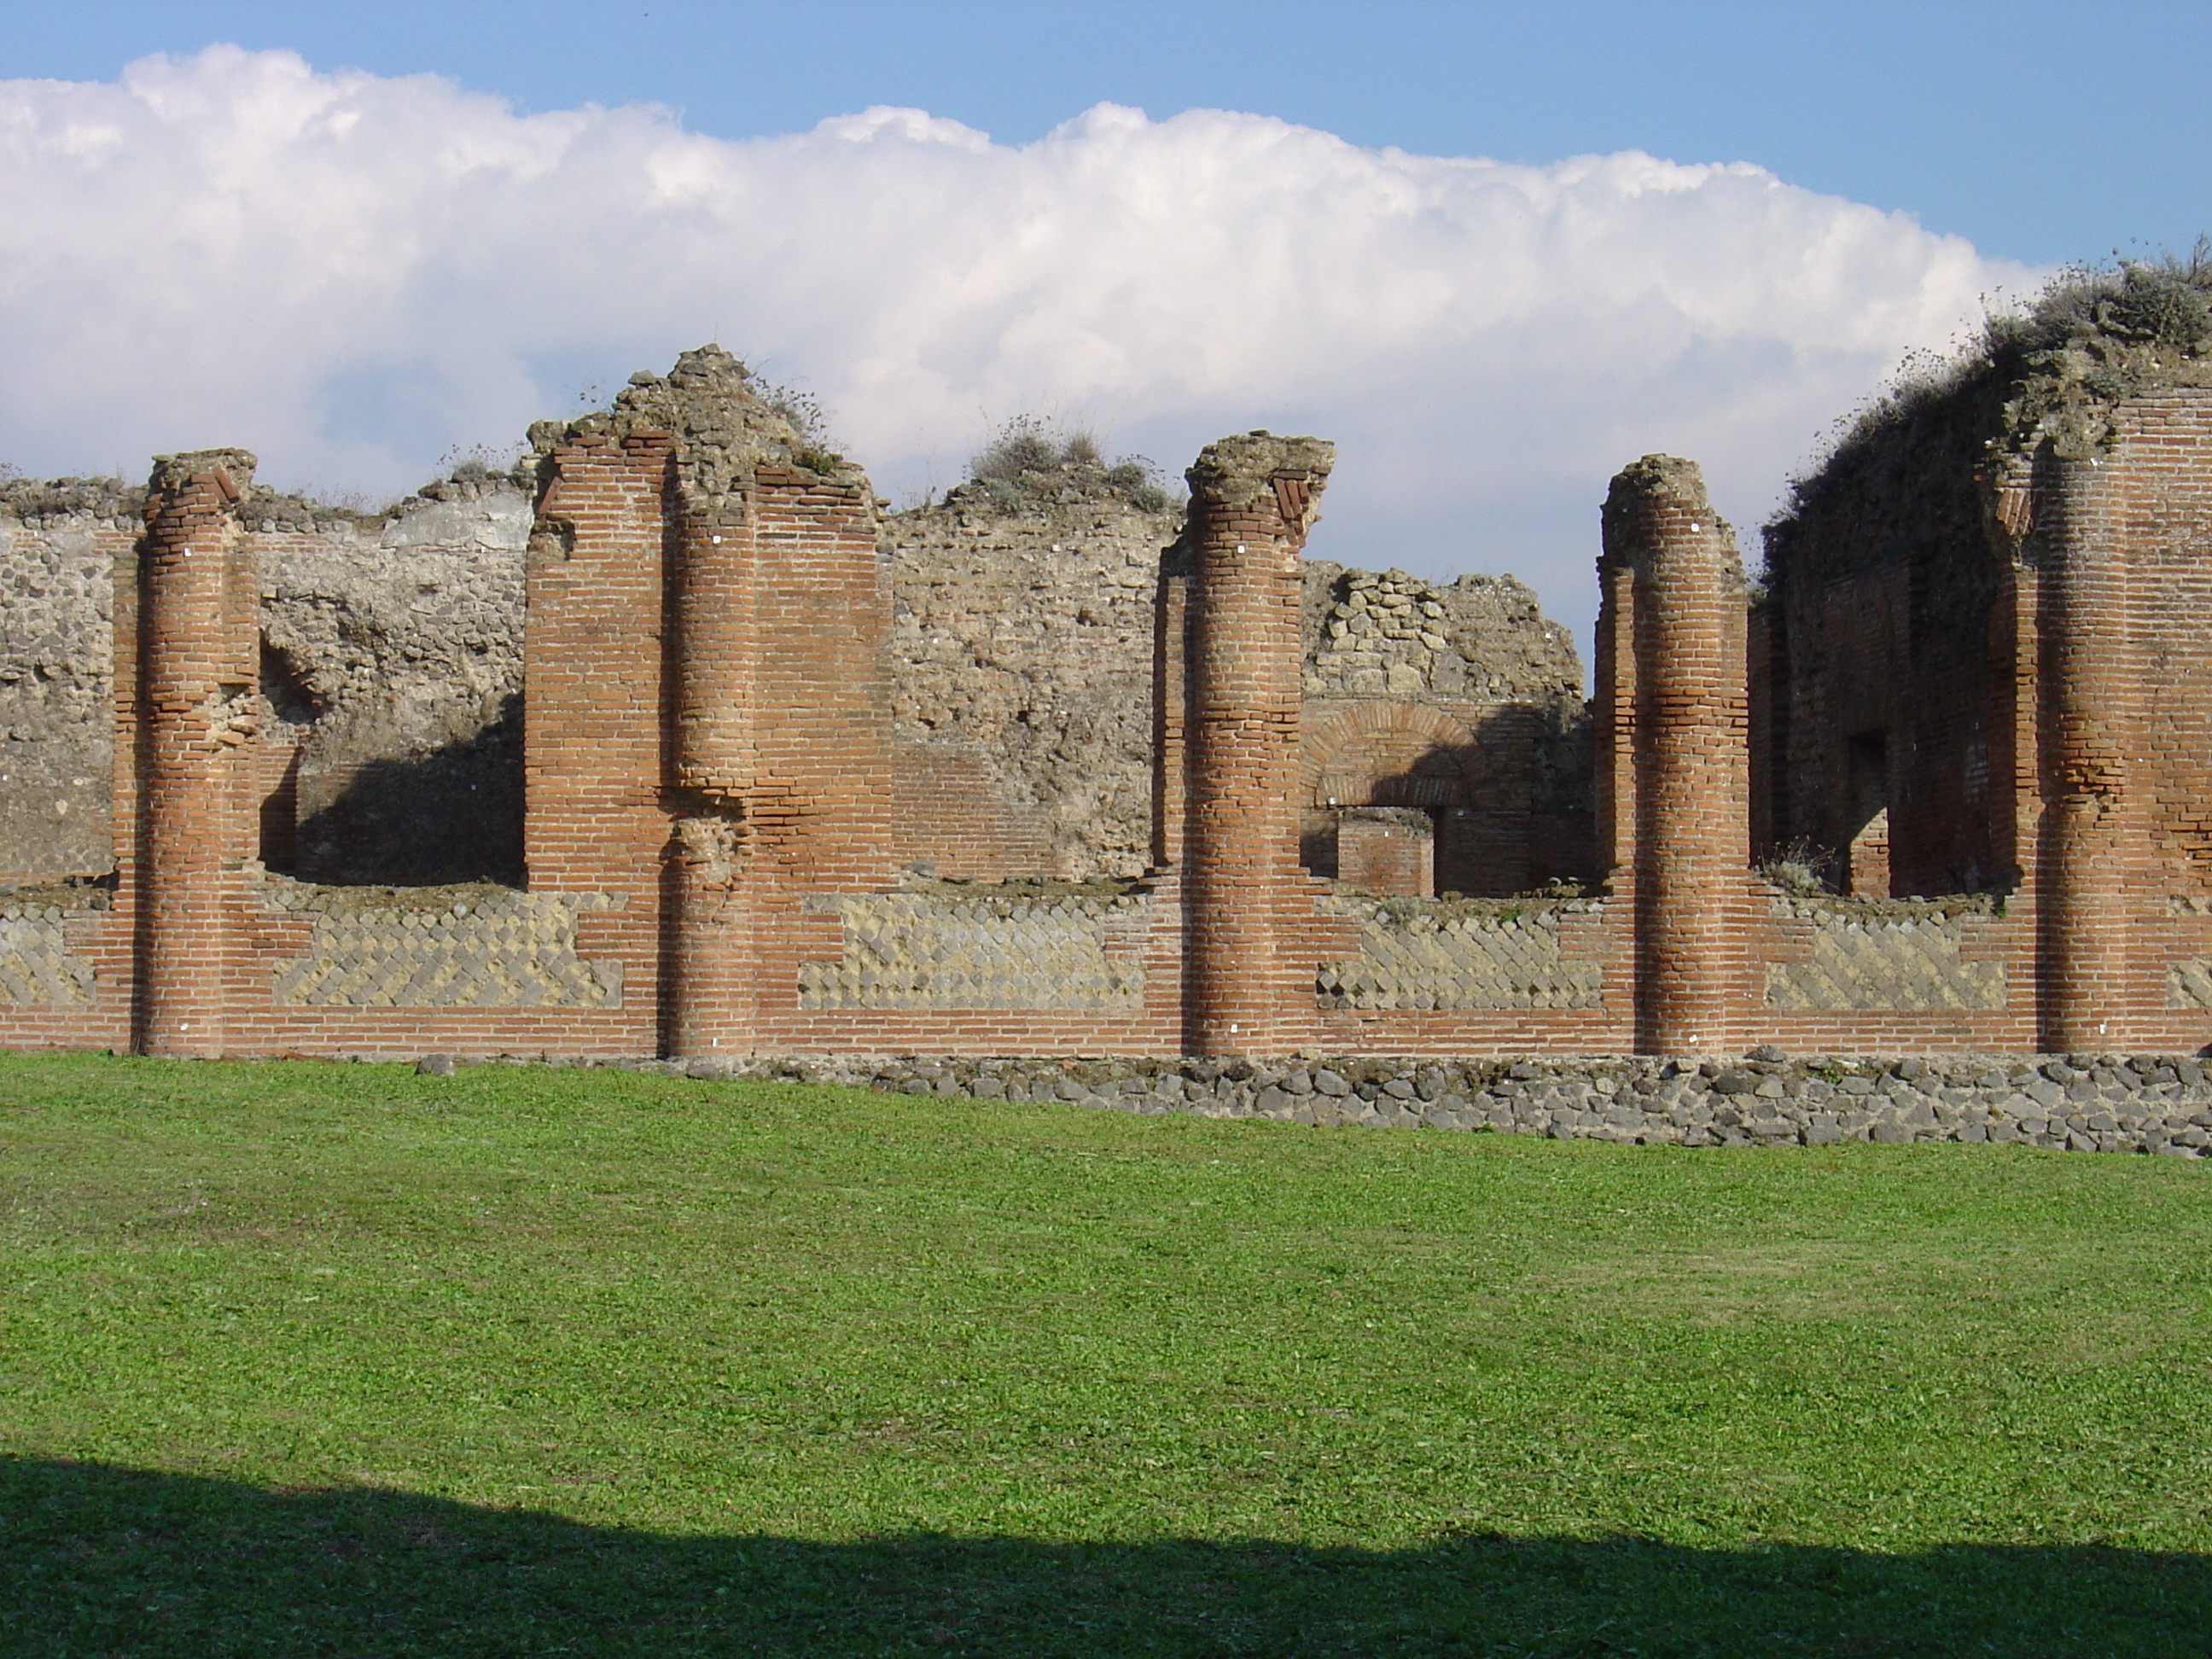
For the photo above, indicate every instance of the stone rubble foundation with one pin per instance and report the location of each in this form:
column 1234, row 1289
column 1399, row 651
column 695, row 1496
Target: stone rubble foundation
column 2077, row 1103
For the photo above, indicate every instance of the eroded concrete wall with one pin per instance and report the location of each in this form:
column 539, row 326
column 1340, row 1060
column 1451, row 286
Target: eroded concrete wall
column 1021, row 643
column 391, row 663
column 1022, row 635
column 58, row 544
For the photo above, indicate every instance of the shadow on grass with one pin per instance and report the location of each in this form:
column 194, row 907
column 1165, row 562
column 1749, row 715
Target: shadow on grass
column 102, row 1561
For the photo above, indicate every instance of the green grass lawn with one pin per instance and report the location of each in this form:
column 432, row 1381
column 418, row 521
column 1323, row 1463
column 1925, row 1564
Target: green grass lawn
column 337, row 1360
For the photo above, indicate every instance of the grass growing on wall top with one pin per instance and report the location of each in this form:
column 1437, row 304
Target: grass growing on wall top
column 311, row 1359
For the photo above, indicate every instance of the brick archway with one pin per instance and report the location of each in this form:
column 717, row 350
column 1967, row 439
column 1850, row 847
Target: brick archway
column 1385, row 754
column 1410, row 759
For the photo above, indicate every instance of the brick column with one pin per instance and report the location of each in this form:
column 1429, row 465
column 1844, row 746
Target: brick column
column 1252, row 499
column 1171, row 709
column 1691, row 826
column 710, row 1002
column 2088, row 828
column 198, row 684
column 1613, row 678
column 596, row 704
column 714, row 572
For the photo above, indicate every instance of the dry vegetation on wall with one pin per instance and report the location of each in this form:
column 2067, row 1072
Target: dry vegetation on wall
column 1880, row 605
column 1032, row 459
column 2055, row 368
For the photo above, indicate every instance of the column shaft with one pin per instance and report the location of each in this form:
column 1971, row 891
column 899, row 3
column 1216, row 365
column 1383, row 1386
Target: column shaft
column 1252, row 501
column 2087, row 825
column 198, row 668
column 1691, row 776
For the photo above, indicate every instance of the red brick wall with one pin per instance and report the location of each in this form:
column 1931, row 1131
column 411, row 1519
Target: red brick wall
column 595, row 704
column 1386, row 858
column 947, row 814
column 1473, row 765
column 821, row 798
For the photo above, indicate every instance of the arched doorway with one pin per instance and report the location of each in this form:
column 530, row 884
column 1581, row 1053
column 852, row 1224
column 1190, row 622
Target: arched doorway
column 1386, row 799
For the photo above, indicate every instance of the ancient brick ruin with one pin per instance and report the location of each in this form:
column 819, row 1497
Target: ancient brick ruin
column 673, row 742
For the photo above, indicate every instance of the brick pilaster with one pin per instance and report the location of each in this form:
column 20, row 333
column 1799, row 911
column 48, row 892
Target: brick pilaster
column 2090, row 821
column 596, row 703
column 709, row 1001
column 783, row 755
column 1613, row 675
column 1691, row 822
column 198, row 679
column 1252, row 499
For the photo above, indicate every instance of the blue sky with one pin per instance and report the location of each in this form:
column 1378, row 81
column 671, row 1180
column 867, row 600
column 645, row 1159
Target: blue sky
column 1487, row 349
column 2040, row 132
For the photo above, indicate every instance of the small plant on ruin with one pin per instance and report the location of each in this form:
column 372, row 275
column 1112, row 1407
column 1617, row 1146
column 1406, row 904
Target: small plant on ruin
column 479, row 463
column 1031, row 460
column 802, row 412
column 1799, row 868
column 1561, row 887
column 2161, row 301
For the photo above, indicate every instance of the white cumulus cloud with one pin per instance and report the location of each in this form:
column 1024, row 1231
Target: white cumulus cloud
column 352, row 274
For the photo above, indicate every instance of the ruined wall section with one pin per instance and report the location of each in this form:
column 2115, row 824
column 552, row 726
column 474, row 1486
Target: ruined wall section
column 1021, row 659
column 391, row 670
column 1888, row 655
column 59, row 544
column 1901, row 617
column 1474, row 639
column 1511, row 782
column 1022, row 677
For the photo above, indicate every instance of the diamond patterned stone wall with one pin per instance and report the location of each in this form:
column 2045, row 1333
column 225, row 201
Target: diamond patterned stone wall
column 1442, row 954
column 468, row 947
column 1908, row 963
column 942, row 950
column 2189, row 985
column 35, row 965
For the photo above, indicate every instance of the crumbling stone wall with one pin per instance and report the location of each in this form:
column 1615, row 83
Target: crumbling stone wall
column 392, row 661
column 1021, row 640
column 391, row 666
column 1474, row 639
column 1021, row 673
column 1506, row 772
column 58, row 542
